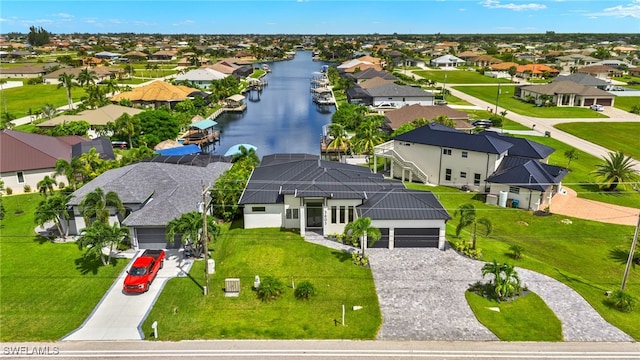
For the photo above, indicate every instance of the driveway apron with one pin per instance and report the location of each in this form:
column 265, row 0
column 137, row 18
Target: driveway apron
column 119, row 316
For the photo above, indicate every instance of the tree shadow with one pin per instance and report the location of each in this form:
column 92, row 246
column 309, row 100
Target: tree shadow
column 342, row 256
column 88, row 264
column 42, row 239
column 236, row 224
column 622, row 256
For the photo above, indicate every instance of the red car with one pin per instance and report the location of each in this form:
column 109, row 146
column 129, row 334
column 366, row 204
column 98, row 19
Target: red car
column 143, row 271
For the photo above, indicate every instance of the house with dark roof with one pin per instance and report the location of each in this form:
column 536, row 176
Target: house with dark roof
column 367, row 74
column 396, row 118
column 584, row 79
column 398, row 95
column 26, row 158
column 438, row 155
column 153, row 194
column 565, row 93
column 301, row 191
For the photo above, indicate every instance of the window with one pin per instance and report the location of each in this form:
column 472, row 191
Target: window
column 465, row 154
column 447, row 174
column 476, row 179
column 334, row 214
column 292, row 213
column 258, row 209
column 514, row 189
column 446, row 151
column 20, row 177
column 350, row 217
column 463, row 175
column 342, row 214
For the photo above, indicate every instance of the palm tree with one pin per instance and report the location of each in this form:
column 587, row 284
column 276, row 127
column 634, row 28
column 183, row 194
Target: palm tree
column 362, row 230
column 368, row 136
column 66, row 81
column 247, row 156
column 571, row 154
column 70, row 169
column 54, row 208
column 506, row 281
column 91, row 165
column 95, row 206
column 189, row 226
column 49, row 111
column 616, row 169
column 468, row 217
column 125, row 125
column 512, row 72
column 444, row 120
column 100, row 235
column 340, row 140
column 45, row 186
column 87, row 77
column 111, row 86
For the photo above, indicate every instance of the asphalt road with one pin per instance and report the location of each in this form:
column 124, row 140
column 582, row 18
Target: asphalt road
column 321, row 349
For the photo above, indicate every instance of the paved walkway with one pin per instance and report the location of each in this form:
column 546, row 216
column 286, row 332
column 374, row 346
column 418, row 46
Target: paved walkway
column 567, row 203
column 119, row 316
column 421, row 295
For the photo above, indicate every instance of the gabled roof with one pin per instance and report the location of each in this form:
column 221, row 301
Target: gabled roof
column 371, row 73
column 403, row 204
column 203, row 74
column 582, row 79
column 447, row 59
column 99, row 116
column 394, row 90
column 527, row 173
column 101, row 144
column 166, row 190
column 523, row 147
column 435, row 135
column 395, row 118
column 21, row 151
column 156, row 91
column 373, row 82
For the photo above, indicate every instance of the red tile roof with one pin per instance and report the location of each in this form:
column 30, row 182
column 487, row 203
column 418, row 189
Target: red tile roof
column 26, row 151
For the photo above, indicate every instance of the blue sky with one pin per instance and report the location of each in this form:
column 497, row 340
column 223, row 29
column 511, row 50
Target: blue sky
column 322, row 16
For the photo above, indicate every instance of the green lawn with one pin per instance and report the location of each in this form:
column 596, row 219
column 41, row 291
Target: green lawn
column 527, row 318
column 186, row 314
column 132, row 81
column 613, row 136
column 507, row 101
column 578, row 254
column 46, row 290
column 626, row 102
column 507, row 124
column 20, row 99
column 458, row 77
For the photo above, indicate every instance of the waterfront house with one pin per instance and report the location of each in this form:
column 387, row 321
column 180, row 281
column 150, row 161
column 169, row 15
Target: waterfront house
column 158, row 94
column 202, row 77
column 446, row 61
column 300, row 191
column 565, row 93
column 396, row 118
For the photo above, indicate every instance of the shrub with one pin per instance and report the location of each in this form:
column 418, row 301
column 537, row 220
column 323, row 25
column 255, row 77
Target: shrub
column 635, row 109
column 305, row 291
column 270, row 289
column 8, row 190
column 466, row 249
column 27, row 188
column 622, row 301
column 359, row 260
column 516, row 251
column 61, row 185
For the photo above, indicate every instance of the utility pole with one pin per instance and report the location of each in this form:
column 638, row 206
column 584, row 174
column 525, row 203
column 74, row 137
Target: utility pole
column 497, row 97
column 205, row 238
column 630, row 259
column 444, row 88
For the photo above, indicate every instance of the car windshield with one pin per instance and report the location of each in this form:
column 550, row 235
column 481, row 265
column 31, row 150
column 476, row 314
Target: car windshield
column 137, row 271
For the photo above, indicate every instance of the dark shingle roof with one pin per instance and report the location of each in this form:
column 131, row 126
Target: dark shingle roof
column 395, row 90
column 522, row 147
column 582, row 79
column 101, row 144
column 403, row 204
column 371, row 73
column 166, row 190
column 433, row 134
column 527, row 173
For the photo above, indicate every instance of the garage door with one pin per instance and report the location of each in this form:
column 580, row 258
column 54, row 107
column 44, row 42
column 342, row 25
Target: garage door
column 154, row 238
column 383, row 243
column 420, row 237
column 588, row 102
column 604, row 102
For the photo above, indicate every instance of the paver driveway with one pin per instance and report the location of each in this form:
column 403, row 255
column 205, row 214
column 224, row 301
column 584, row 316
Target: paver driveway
column 421, row 294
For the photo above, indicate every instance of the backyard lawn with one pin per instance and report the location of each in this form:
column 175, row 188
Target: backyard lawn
column 186, row 314
column 46, row 290
column 507, row 101
column 580, row 254
column 614, row 136
column 458, row 77
column 34, row 97
column 626, row 102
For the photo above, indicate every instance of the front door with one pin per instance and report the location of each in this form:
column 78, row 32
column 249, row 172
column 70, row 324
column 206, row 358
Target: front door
column 314, row 215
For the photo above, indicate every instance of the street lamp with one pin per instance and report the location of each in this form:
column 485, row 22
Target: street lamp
column 205, row 237
column 497, row 97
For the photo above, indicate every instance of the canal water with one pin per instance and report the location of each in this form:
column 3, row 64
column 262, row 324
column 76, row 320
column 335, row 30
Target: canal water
column 282, row 118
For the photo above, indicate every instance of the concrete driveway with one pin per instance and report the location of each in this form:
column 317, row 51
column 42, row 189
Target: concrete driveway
column 421, row 295
column 119, row 316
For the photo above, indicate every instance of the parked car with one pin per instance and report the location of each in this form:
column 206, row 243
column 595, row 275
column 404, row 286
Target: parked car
column 596, row 107
column 143, row 271
column 385, row 105
column 440, row 102
column 483, row 123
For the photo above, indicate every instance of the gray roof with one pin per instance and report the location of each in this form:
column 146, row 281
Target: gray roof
column 166, row 190
column 392, row 89
column 527, row 173
column 436, row 135
column 203, row 74
column 403, row 204
column 523, row 147
column 582, row 79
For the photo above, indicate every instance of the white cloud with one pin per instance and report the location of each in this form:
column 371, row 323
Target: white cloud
column 631, row 10
column 64, row 15
column 495, row 4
